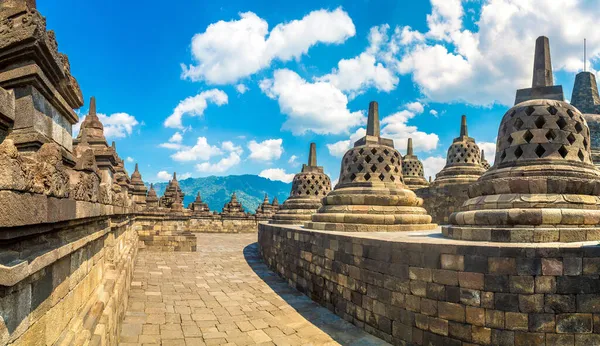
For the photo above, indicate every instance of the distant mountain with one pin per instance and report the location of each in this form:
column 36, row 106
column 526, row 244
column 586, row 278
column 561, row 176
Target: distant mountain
column 216, row 191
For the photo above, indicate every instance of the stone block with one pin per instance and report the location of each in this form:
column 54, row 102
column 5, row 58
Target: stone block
column 438, row 326
column 459, row 331
column 558, row 303
column 481, row 335
column 552, row 266
column 503, row 337
column 541, row 323
column 475, row 316
column 445, row 277
column 522, row 284
column 471, row 280
column 421, row 274
column 497, row 283
column 588, row 303
column 574, row 323
column 516, row 321
column 545, row 284
column 470, row 297
column 451, row 311
column 452, row 262
column 506, row 301
column 502, row 265
column 591, row 266
column 572, row 265
column 494, row 318
column 528, row 339
column 560, row 340
column 533, row 303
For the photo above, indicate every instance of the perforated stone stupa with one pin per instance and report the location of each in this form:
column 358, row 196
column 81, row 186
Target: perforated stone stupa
column 463, row 162
column 585, row 98
column 412, row 169
column 543, row 186
column 308, row 189
column 370, row 195
column 484, row 163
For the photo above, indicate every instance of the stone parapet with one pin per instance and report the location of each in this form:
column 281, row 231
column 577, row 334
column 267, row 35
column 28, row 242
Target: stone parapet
column 69, row 286
column 418, row 288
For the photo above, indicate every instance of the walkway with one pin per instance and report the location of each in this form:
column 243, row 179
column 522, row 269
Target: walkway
column 225, row 295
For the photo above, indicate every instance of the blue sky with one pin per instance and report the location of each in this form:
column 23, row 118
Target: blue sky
column 217, row 88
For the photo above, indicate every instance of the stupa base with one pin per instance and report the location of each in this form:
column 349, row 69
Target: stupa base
column 360, row 227
column 523, row 234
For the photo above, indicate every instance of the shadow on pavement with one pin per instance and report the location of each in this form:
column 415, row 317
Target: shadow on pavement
column 339, row 330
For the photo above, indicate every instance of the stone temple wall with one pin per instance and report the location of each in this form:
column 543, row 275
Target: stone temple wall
column 73, row 292
column 427, row 290
column 441, row 201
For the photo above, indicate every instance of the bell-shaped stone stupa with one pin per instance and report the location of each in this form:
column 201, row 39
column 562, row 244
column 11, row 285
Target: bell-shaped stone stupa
column 463, row 162
column 585, row 98
column 199, row 207
column 412, row 169
column 308, row 189
column 543, row 186
column 370, row 195
column 484, row 163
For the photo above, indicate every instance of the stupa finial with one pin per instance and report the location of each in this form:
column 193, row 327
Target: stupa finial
column 136, row 168
column 312, row 155
column 542, row 64
column 373, row 120
column 92, row 111
column 409, row 147
column 464, row 132
column 175, row 176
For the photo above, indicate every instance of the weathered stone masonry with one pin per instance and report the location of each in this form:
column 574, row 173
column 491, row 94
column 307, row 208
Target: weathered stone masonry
column 425, row 290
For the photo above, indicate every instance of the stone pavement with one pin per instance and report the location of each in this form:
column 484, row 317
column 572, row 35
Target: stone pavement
column 225, row 295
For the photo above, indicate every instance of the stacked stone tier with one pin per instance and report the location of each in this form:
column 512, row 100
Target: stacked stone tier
column 308, row 189
column 543, row 186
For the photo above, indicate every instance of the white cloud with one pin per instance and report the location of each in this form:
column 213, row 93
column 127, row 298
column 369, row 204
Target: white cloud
column 292, row 160
column 223, row 165
column 319, row 107
column 396, row 127
column 176, row 138
column 184, row 176
column 267, row 150
column 355, row 75
column 230, row 147
column 229, row 51
column 195, row 106
column 277, row 174
column 415, row 107
column 201, row 151
column 164, row 175
column 129, row 159
column 432, row 165
column 118, row 125
column 486, row 63
column 241, row 88
column 490, row 150
column 433, row 112
column 338, row 149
